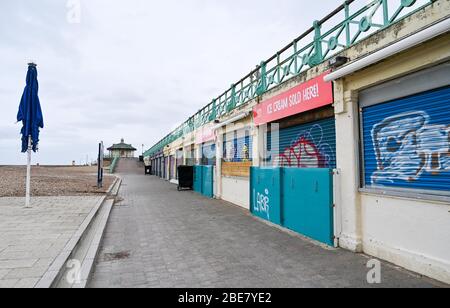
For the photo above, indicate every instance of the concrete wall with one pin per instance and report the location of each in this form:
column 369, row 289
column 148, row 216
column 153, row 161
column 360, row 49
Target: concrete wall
column 236, row 190
column 411, row 233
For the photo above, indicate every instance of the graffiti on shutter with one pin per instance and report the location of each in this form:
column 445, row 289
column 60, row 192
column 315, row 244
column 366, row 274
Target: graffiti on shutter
column 306, row 146
column 409, row 145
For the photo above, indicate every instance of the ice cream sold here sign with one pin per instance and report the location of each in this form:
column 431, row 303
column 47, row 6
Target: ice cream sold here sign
column 310, row 95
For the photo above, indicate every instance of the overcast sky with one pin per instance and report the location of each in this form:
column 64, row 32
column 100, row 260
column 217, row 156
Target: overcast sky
column 134, row 69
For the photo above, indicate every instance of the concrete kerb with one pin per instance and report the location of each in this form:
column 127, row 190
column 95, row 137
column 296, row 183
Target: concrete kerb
column 57, row 268
column 89, row 262
column 114, row 189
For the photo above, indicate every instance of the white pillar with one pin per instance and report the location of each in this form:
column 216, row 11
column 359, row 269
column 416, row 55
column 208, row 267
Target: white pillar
column 259, row 145
column 28, row 182
column 347, row 154
column 198, row 154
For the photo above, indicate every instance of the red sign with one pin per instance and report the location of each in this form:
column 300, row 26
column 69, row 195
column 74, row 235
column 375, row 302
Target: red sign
column 310, row 95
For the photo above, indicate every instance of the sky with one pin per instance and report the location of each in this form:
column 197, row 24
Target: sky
column 134, row 69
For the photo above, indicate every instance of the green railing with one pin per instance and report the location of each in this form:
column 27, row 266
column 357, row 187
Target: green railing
column 351, row 22
column 113, row 166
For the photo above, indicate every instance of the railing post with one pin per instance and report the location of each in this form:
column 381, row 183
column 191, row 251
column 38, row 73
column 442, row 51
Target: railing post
column 295, row 57
column 385, row 12
column 278, row 68
column 191, row 125
column 263, row 80
column 347, row 24
column 232, row 103
column 213, row 113
column 317, row 57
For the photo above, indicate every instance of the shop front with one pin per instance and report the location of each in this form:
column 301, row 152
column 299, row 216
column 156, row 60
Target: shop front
column 405, row 170
column 172, row 168
column 294, row 186
column 190, row 155
column 208, row 153
column 393, row 127
column 179, row 160
column 237, row 158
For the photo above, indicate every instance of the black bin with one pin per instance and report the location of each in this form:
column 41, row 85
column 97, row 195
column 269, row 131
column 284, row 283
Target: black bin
column 148, row 170
column 185, row 177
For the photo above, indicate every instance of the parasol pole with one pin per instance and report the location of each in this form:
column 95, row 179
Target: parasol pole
column 28, row 183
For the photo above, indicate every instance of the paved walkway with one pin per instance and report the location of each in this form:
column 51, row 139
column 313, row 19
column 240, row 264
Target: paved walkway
column 158, row 237
column 31, row 239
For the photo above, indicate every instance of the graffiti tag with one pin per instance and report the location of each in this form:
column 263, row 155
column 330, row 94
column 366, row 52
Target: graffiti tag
column 407, row 146
column 262, row 204
column 308, row 151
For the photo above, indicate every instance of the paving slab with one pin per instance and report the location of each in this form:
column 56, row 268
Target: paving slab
column 32, row 239
column 159, row 237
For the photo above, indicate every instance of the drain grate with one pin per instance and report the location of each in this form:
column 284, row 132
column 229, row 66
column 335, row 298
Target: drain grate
column 116, row 256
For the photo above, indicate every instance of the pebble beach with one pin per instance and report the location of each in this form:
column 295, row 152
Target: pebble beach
column 52, row 181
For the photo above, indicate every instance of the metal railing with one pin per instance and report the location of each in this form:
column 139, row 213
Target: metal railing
column 350, row 23
column 113, row 166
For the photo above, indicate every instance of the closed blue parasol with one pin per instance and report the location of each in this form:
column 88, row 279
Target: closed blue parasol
column 30, row 114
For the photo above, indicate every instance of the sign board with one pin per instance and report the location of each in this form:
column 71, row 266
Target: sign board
column 205, row 134
column 310, row 95
column 101, row 150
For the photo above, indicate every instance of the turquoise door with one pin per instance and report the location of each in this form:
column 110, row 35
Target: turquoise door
column 208, row 181
column 265, row 193
column 198, row 174
column 307, row 198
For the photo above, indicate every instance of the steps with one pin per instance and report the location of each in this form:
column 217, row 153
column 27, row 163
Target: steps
column 73, row 267
column 130, row 166
column 81, row 263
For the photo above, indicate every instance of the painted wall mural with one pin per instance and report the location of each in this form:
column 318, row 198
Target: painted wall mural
column 407, row 142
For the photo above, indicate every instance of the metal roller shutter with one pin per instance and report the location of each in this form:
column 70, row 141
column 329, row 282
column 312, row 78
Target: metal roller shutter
column 311, row 145
column 180, row 160
column 238, row 149
column 165, row 166
column 172, row 166
column 191, row 161
column 208, row 154
column 406, row 142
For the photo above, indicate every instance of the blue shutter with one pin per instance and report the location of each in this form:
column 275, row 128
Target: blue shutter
column 238, row 149
column 311, row 145
column 244, row 149
column 406, row 142
column 209, row 154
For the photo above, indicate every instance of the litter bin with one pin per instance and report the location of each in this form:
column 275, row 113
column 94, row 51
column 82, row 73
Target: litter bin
column 185, row 177
column 148, row 170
